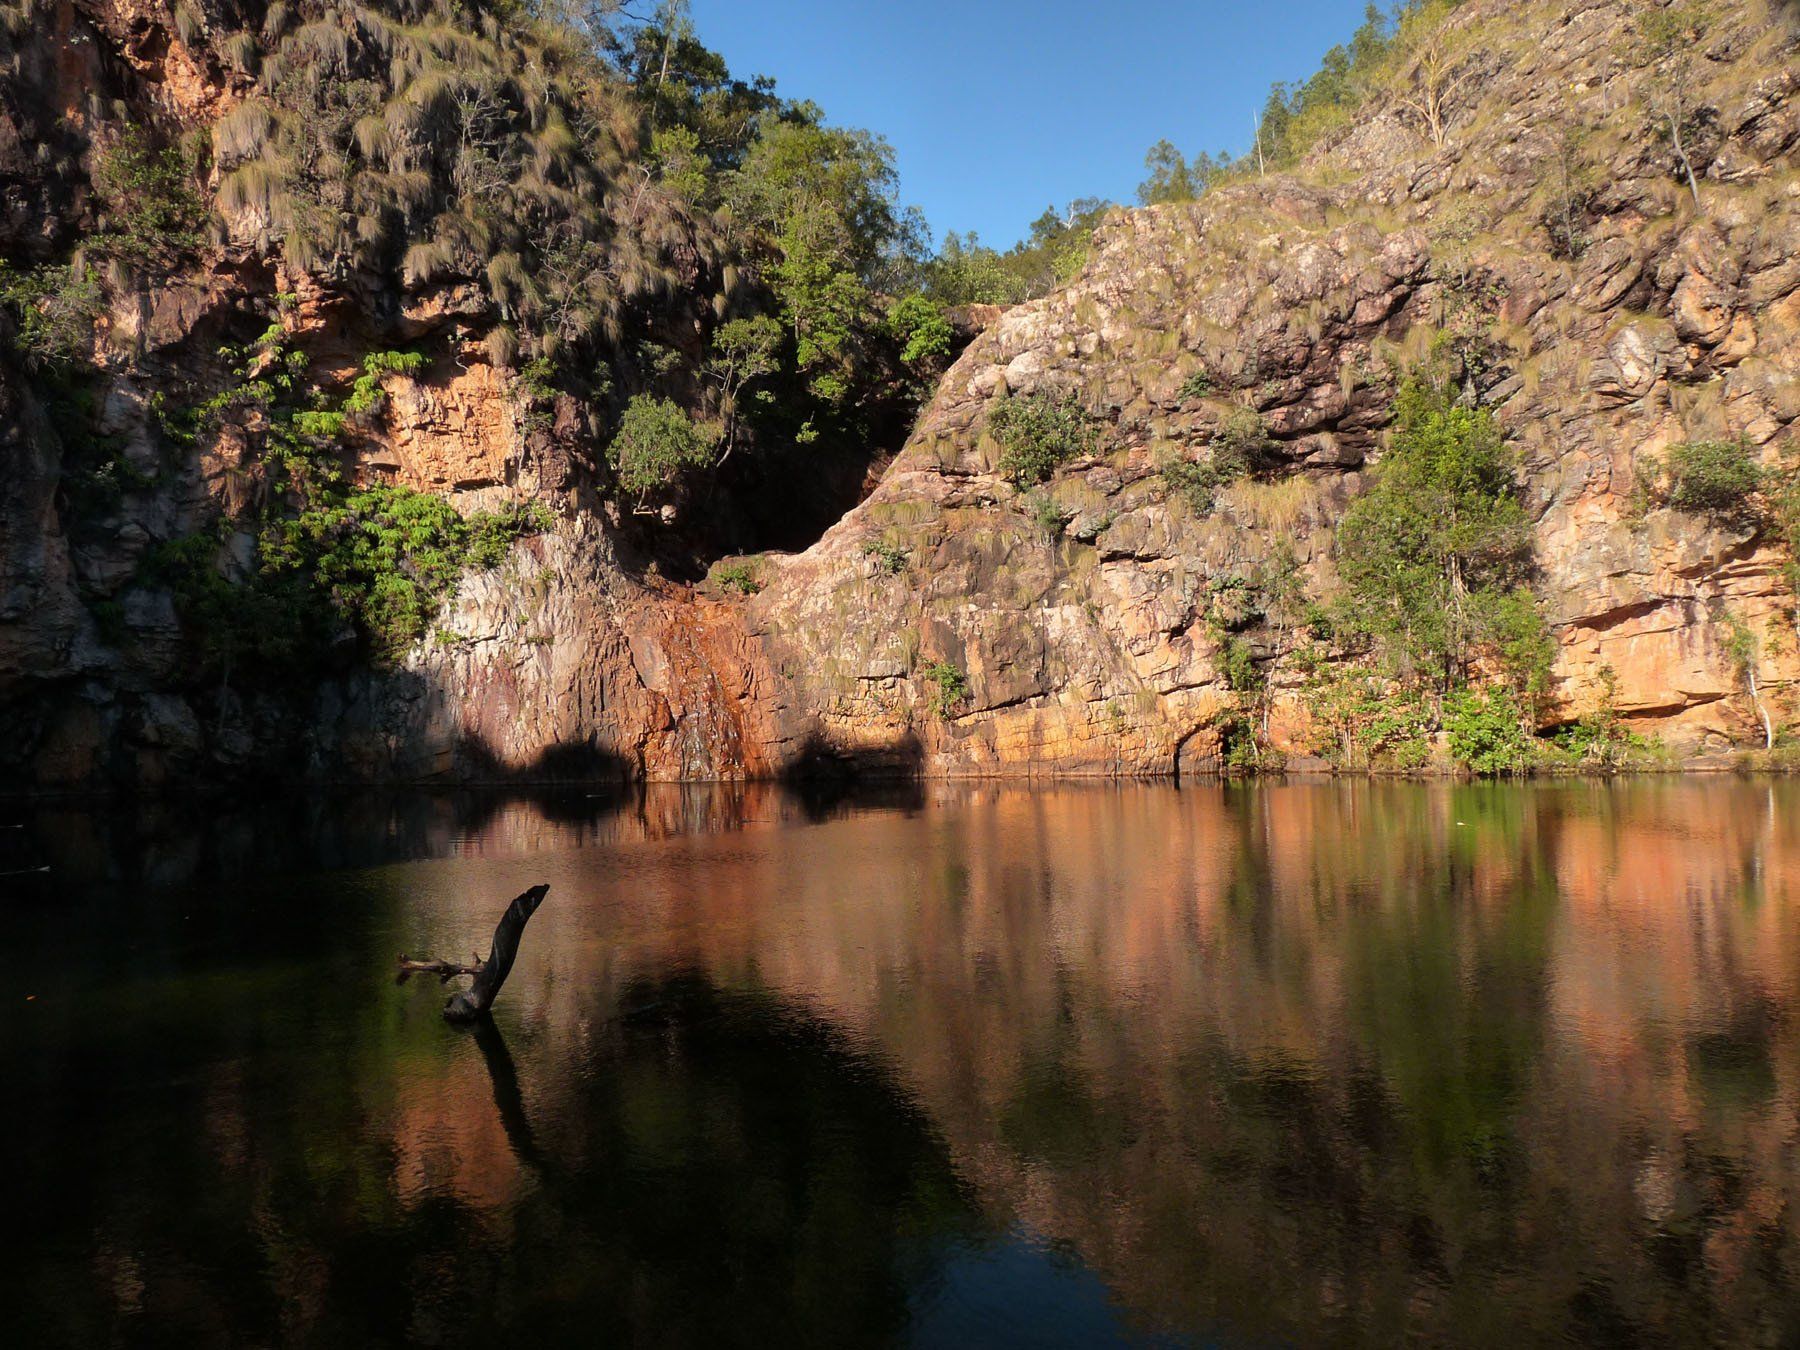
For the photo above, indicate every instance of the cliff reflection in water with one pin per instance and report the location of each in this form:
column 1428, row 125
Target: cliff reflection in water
column 1329, row 1062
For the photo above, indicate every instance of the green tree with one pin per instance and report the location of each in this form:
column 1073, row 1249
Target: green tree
column 657, row 440
column 690, row 94
column 1783, row 490
column 923, row 332
column 1746, row 653
column 1175, row 178
column 1487, row 732
column 151, row 213
column 825, row 198
column 949, row 687
column 1038, row 433
column 1435, row 554
column 966, row 272
column 1169, row 180
column 744, row 351
column 1669, row 36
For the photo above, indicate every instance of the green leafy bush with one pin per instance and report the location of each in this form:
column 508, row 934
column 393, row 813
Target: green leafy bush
column 889, row 557
column 949, row 687
column 491, row 534
column 1487, row 732
column 1049, row 515
column 365, row 391
column 1519, row 641
column 1240, row 444
column 1366, row 720
column 656, row 441
column 741, row 576
column 1242, row 749
column 1038, row 433
column 1719, row 479
column 101, row 487
column 1197, row 386
column 54, row 311
column 1598, row 739
column 924, row 334
column 1237, row 662
column 386, row 556
column 151, row 212
column 1197, row 480
column 1783, row 492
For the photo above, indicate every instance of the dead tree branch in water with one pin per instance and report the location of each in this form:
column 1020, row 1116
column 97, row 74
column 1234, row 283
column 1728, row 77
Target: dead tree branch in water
column 473, row 1002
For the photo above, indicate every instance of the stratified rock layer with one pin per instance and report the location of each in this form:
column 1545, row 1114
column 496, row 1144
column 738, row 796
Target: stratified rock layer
column 1098, row 650
column 1095, row 649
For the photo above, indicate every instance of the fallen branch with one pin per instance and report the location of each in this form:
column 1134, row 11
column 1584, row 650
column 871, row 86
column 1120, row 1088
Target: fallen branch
column 473, row 1002
column 444, row 970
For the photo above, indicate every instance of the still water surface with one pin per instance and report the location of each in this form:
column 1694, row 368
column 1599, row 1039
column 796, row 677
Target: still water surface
column 1304, row 1064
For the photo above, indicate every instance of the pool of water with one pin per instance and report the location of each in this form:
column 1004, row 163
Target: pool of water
column 1341, row 1063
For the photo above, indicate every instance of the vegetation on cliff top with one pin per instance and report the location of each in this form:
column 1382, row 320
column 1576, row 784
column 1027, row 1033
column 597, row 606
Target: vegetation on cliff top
column 711, row 273
column 1397, row 51
column 1400, row 52
column 639, row 223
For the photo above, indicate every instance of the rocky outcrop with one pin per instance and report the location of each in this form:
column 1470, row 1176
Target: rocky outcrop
column 1607, row 316
column 557, row 666
column 1098, row 649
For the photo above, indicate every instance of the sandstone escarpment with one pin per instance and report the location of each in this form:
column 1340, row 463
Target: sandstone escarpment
column 1098, row 647
column 1602, row 308
column 563, row 662
column 572, row 658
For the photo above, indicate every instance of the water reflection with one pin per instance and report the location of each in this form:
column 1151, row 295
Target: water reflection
column 179, row 841
column 1340, row 1062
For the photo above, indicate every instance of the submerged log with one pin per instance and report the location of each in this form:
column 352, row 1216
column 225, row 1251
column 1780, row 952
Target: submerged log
column 472, row 1003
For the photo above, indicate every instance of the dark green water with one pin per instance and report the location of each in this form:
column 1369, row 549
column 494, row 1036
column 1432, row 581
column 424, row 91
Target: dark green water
column 1308, row 1064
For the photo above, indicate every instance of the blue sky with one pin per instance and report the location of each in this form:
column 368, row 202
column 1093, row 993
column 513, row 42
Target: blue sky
column 999, row 108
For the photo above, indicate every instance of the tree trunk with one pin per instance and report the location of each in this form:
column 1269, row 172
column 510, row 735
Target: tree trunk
column 1682, row 154
column 473, row 1003
column 1762, row 712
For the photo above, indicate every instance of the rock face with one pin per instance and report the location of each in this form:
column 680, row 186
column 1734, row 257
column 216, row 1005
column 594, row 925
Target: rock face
column 1607, row 313
column 1098, row 650
column 559, row 667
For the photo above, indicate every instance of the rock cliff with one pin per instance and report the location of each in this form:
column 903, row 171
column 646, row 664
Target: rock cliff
column 1606, row 308
column 1096, row 648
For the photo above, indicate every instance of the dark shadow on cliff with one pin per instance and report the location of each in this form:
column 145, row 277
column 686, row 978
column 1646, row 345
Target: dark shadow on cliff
column 565, row 762
column 829, row 777
column 822, row 759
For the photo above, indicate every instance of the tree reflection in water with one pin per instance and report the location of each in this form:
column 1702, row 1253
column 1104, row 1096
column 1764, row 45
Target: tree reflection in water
column 1338, row 1062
